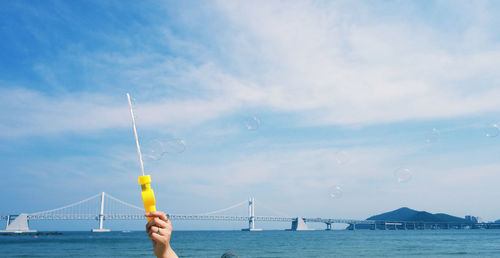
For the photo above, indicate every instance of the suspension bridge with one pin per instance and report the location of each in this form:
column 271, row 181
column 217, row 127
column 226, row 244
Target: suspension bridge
column 103, row 206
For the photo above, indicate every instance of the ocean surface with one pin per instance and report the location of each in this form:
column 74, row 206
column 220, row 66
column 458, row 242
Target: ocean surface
column 360, row 243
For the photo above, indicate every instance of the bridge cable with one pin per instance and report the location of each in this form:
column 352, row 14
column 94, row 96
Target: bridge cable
column 67, row 206
column 273, row 210
column 124, row 203
column 225, row 209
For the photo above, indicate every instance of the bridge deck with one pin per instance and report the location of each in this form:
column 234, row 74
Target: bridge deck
column 185, row 217
column 141, row 217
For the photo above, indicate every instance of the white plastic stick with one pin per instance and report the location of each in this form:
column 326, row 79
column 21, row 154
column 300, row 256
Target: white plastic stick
column 135, row 134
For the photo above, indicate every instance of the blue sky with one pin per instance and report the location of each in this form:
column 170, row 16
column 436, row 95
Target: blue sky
column 346, row 92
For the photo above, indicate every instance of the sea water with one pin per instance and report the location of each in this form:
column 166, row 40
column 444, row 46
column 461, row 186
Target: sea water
column 337, row 243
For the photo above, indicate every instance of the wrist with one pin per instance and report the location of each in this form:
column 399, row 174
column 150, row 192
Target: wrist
column 168, row 253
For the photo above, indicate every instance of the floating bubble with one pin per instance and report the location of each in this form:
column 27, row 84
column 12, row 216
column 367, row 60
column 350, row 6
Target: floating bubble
column 174, row 145
column 156, row 148
column 229, row 255
column 403, row 175
column 153, row 149
column 335, row 191
column 342, row 157
column 432, row 136
column 492, row 131
column 252, row 123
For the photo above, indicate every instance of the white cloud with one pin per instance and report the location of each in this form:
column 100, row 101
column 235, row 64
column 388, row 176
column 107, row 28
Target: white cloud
column 324, row 63
column 33, row 113
column 30, row 112
column 342, row 71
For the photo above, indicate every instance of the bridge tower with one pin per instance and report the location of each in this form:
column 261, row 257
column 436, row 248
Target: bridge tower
column 101, row 217
column 251, row 216
column 251, row 213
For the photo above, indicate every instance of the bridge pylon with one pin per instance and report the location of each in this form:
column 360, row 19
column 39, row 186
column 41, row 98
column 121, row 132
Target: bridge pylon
column 251, row 216
column 101, row 218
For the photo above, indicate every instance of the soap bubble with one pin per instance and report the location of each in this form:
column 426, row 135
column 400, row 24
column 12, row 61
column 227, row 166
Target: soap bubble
column 335, row 191
column 403, row 175
column 432, row 136
column 229, row 255
column 342, row 157
column 492, row 131
column 174, row 145
column 252, row 123
column 153, row 149
column 156, row 148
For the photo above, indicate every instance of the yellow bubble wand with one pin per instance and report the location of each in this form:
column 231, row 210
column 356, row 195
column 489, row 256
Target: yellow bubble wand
column 148, row 196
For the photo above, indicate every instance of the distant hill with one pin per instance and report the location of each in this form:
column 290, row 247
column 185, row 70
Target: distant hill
column 407, row 214
column 449, row 218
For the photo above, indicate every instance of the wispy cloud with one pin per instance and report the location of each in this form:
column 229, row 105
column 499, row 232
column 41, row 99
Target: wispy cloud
column 342, row 70
column 321, row 61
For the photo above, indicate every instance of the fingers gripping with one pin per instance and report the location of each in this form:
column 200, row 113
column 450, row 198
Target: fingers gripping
column 159, row 228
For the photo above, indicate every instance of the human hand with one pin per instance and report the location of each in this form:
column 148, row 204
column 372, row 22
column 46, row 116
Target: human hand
column 159, row 230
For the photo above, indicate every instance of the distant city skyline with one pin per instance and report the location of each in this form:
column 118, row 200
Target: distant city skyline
column 315, row 108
